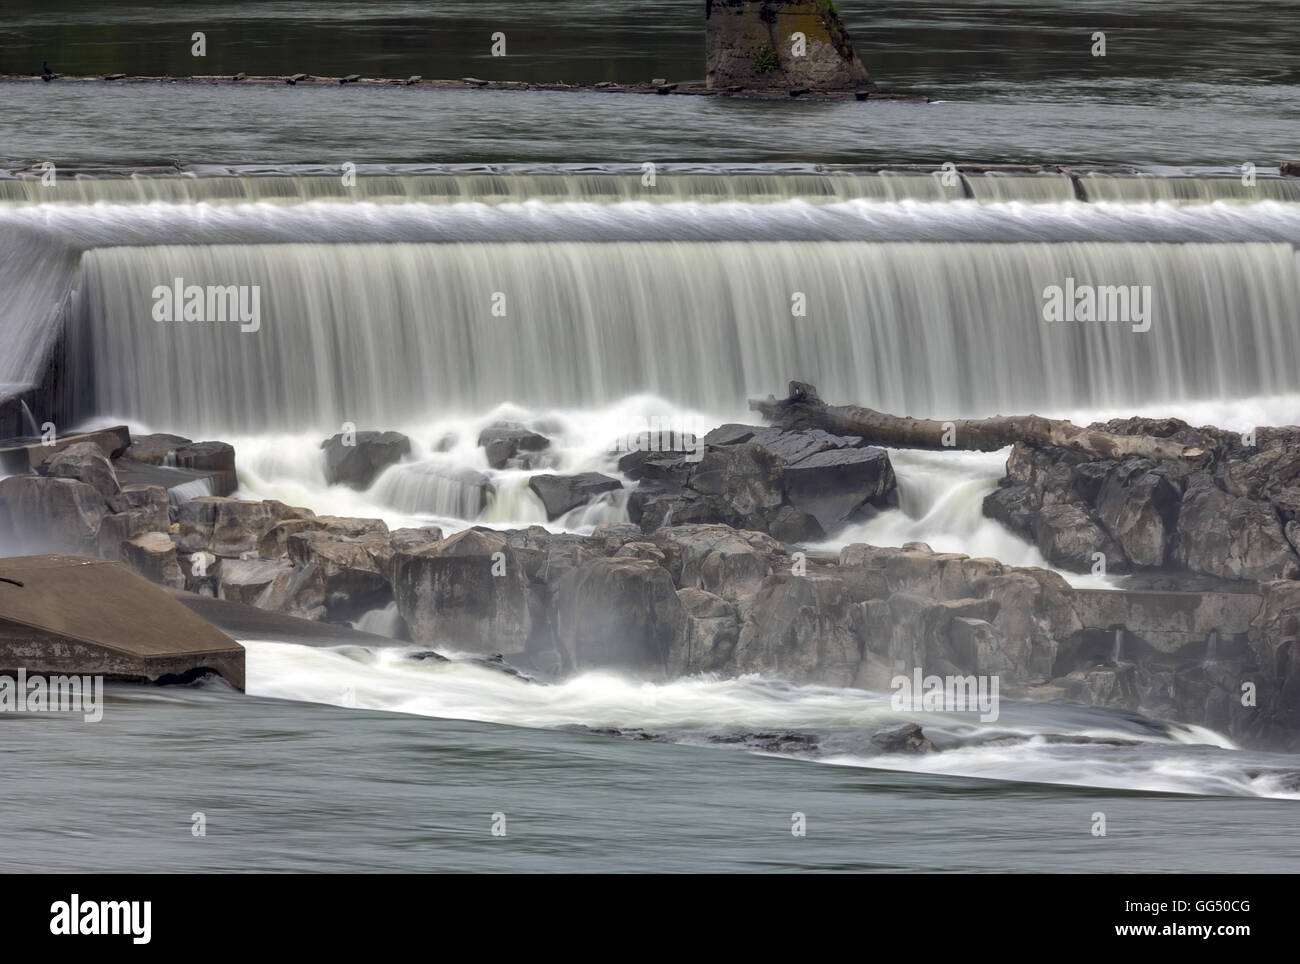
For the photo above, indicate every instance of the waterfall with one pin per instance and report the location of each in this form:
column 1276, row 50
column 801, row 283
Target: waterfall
column 373, row 333
column 456, row 290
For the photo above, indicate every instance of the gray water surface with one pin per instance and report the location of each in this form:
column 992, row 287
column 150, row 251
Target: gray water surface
column 299, row 787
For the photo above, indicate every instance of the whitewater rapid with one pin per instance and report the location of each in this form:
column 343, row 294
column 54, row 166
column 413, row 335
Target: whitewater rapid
column 1030, row 742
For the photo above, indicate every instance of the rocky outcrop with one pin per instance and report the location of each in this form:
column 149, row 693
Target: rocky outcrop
column 357, row 459
column 797, row 486
column 794, row 45
column 1225, row 516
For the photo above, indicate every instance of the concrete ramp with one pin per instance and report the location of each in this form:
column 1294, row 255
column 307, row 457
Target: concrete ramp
column 76, row 615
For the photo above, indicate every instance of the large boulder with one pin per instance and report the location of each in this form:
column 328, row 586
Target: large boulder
column 357, row 465
column 709, row 637
column 135, row 510
column 728, row 562
column 227, row 527
column 468, row 592
column 839, row 486
column 39, row 514
column 154, row 449
column 904, row 738
column 564, row 493
column 1069, row 537
column 619, row 613
column 204, row 456
column 1231, row 537
column 1138, row 505
column 85, row 462
column 252, row 581
column 354, row 569
column 798, row 486
column 749, row 47
column 153, row 555
column 799, row 628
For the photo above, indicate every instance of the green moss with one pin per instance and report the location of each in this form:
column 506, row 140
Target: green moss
column 766, row 59
column 835, row 27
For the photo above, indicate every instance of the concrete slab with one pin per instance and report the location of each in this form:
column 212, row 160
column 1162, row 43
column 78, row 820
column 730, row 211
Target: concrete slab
column 72, row 614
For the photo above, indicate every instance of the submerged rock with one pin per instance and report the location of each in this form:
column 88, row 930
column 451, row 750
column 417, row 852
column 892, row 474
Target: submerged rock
column 906, row 738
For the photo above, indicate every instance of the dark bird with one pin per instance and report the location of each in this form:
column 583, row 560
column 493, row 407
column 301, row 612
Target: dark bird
column 46, row 74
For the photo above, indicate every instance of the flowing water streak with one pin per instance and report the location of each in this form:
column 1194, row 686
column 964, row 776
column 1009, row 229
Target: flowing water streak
column 1041, row 743
column 373, row 334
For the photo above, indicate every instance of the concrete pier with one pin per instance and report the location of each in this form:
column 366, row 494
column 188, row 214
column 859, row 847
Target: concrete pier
column 75, row 615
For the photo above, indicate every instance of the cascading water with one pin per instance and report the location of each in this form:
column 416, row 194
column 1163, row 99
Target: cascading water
column 373, row 333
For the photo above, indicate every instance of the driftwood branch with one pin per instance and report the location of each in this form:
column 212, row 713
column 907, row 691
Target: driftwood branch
column 804, row 409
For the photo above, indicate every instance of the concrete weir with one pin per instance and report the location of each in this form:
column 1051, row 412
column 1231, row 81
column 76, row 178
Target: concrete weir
column 75, row 615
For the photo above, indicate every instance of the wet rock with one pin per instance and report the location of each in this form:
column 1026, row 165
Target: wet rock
column 564, row 493
column 641, row 550
column 1233, row 538
column 153, row 555
column 354, row 570
column 796, row 485
column 413, row 539
column 709, row 636
column 839, row 486
column 608, row 537
column 717, row 558
column 428, row 655
column 154, row 449
column 1069, row 537
column 251, row 581
column 468, row 591
column 799, row 628
column 85, row 462
column 135, row 510
column 1102, row 686
column 39, row 514
column 906, row 738
column 206, row 456
column 1138, row 505
column 656, row 466
column 504, row 441
column 358, row 465
column 618, row 614
column 226, row 527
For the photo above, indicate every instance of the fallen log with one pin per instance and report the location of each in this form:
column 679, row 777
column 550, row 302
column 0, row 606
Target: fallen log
column 804, row 409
